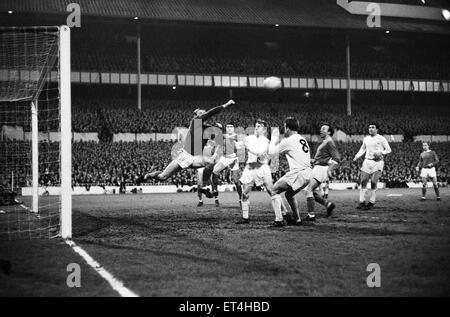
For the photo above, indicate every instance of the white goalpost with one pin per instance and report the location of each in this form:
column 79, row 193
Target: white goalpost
column 36, row 136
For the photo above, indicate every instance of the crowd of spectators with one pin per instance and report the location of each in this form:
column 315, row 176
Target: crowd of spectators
column 119, row 163
column 162, row 116
column 249, row 52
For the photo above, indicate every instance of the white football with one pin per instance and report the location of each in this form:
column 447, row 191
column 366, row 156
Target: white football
column 272, row 83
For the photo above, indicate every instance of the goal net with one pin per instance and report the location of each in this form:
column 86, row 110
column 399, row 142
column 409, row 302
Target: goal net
column 35, row 133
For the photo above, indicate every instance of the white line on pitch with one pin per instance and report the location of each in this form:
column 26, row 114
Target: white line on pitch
column 115, row 283
column 395, row 195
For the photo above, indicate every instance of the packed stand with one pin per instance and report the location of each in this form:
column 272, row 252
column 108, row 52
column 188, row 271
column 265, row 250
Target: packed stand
column 162, row 116
column 197, row 50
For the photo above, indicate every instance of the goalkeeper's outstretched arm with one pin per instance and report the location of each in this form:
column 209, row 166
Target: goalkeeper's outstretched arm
column 216, row 110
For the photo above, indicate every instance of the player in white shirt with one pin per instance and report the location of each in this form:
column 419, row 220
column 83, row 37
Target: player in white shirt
column 375, row 146
column 297, row 152
column 257, row 172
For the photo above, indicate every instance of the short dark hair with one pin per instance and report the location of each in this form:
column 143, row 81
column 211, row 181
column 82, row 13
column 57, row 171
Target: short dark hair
column 330, row 128
column 375, row 124
column 292, row 123
column 261, row 122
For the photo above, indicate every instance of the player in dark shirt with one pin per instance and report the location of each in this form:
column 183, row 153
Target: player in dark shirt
column 326, row 159
column 191, row 156
column 428, row 161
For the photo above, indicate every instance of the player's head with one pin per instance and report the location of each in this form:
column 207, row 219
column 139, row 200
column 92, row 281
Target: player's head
column 325, row 130
column 425, row 146
column 260, row 127
column 229, row 128
column 198, row 112
column 373, row 129
column 291, row 125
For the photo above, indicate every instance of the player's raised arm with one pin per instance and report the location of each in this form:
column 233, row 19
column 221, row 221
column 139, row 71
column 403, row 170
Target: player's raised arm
column 216, row 110
column 361, row 151
column 274, row 146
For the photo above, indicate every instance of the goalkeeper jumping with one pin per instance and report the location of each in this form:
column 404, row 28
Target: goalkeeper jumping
column 191, row 155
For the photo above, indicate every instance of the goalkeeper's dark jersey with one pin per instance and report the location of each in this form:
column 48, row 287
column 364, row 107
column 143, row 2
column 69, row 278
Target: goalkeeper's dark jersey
column 195, row 142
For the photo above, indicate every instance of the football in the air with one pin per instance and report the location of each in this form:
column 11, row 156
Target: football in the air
column 272, row 83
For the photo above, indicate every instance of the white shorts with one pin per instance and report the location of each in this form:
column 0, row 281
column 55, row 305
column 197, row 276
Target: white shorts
column 297, row 179
column 320, row 173
column 258, row 176
column 230, row 162
column 428, row 172
column 371, row 166
column 184, row 159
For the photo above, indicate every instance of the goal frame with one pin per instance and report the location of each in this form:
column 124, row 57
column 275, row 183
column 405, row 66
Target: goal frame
column 64, row 85
column 66, row 132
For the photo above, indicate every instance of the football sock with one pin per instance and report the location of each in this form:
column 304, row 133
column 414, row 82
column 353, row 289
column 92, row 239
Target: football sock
column 239, row 189
column 245, row 208
column 362, row 195
column 373, row 196
column 424, row 191
column 320, row 199
column 283, row 208
column 436, row 190
column 310, row 205
column 276, row 205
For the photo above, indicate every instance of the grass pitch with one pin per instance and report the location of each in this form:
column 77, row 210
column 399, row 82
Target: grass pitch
column 163, row 245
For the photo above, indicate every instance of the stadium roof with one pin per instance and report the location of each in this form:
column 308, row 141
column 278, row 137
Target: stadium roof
column 298, row 13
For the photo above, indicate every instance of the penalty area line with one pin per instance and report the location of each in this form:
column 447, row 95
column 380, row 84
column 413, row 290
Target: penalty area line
column 395, row 195
column 113, row 282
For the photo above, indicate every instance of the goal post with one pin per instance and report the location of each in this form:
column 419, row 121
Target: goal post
column 36, row 136
column 66, row 133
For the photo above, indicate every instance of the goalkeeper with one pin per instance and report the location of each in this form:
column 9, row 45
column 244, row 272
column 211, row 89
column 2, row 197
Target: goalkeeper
column 191, row 155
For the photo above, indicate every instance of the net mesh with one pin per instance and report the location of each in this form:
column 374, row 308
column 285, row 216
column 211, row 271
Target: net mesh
column 29, row 82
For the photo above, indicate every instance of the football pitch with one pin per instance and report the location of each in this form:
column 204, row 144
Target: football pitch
column 163, row 245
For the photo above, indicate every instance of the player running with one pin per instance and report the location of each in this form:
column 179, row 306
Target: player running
column 257, row 172
column 229, row 160
column 297, row 152
column 375, row 146
column 327, row 158
column 427, row 162
column 190, row 156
